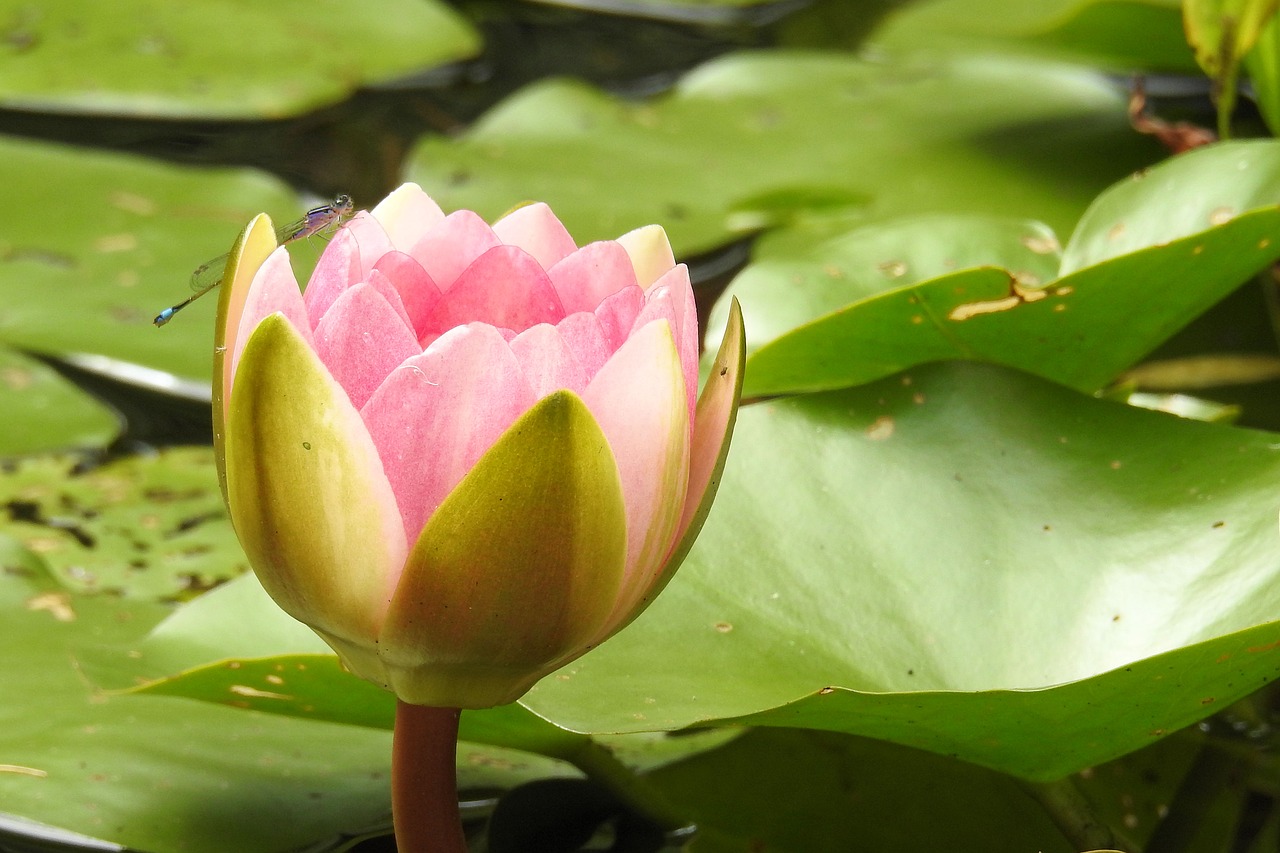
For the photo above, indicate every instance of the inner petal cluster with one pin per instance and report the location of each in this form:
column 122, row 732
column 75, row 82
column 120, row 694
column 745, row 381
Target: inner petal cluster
column 444, row 333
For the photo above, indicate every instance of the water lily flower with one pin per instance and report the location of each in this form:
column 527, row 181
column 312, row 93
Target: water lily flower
column 467, row 454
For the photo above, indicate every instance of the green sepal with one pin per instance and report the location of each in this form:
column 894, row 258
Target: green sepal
column 308, row 496
column 519, row 567
column 254, row 246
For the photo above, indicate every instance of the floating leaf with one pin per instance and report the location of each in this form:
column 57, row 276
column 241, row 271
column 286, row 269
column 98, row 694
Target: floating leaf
column 834, row 314
column 750, row 139
column 170, row 60
column 966, row 560
column 150, row 527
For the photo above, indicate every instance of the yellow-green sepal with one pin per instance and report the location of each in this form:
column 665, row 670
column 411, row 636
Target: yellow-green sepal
column 255, row 245
column 308, row 496
column 518, row 567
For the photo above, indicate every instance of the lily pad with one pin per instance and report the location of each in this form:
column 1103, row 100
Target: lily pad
column 281, row 667
column 962, row 559
column 170, row 60
column 44, row 412
column 863, row 305
column 828, row 792
column 155, row 773
column 89, row 273
column 966, row 560
column 1121, row 35
column 159, row 773
column 150, row 527
column 754, row 140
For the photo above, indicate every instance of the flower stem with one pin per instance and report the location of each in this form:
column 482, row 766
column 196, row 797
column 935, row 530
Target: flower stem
column 1076, row 817
column 424, row 784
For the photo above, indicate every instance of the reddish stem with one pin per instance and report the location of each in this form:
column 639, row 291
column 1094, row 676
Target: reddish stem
column 424, row 785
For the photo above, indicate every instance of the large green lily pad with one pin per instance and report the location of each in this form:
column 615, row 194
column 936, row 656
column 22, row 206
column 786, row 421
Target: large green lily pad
column 281, row 667
column 89, row 273
column 753, row 140
column 962, row 559
column 227, row 59
column 966, row 560
column 159, row 773
column 1151, row 254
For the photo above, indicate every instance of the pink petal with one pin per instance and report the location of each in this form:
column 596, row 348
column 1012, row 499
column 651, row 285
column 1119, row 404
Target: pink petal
column 438, row 412
column 650, row 253
column 672, row 297
column 505, row 287
column 338, row 268
column 274, row 288
column 418, row 293
column 372, row 240
column 617, row 315
column 661, row 309
column 594, row 272
column 379, row 282
column 536, row 229
column 638, row 399
column 547, row 362
column 362, row 339
column 407, row 214
column 584, row 337
column 449, row 248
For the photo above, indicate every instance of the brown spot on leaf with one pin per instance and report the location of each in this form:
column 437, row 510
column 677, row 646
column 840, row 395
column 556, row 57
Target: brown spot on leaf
column 990, row 306
column 1020, row 292
column 111, row 243
column 892, row 269
column 255, row 693
column 1045, row 245
column 881, row 429
column 57, row 603
column 133, row 203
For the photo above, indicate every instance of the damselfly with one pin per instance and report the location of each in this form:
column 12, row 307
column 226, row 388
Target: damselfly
column 208, row 275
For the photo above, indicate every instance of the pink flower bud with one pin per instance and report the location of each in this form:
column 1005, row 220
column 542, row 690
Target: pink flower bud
column 466, row 454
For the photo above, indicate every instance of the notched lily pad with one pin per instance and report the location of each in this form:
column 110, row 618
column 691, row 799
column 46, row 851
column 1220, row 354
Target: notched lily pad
column 1017, row 578
column 151, row 527
column 233, row 646
column 963, row 559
